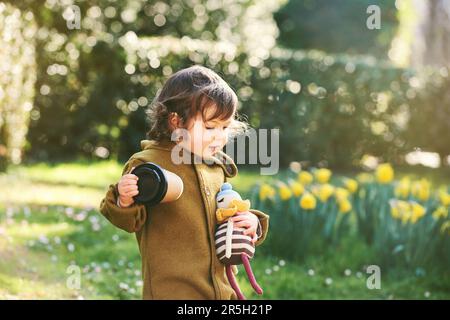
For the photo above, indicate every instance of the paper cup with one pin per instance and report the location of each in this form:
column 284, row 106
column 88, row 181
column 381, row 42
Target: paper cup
column 156, row 185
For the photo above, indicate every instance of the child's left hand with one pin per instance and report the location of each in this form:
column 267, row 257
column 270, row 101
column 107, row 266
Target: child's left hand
column 247, row 220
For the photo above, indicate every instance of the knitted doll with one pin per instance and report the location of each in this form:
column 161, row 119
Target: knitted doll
column 232, row 246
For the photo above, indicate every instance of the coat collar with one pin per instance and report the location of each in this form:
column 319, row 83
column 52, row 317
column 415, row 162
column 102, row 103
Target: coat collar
column 220, row 158
column 226, row 163
column 153, row 144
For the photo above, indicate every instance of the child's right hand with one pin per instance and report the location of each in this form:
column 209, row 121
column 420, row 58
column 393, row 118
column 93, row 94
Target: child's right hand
column 127, row 189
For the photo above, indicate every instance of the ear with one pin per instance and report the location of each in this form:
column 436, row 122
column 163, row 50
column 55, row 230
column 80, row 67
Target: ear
column 174, row 120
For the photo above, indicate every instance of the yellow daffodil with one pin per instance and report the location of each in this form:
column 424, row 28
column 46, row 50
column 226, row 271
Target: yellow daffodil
column 351, row 185
column 417, row 212
column 266, row 191
column 405, row 216
column 341, row 194
column 305, row 178
column 325, row 192
column 421, row 189
column 384, row 173
column 323, row 175
column 446, row 226
column 308, row 202
column 297, row 188
column 285, row 192
column 444, row 197
column 440, row 212
column 345, row 206
column 400, row 209
column 403, row 187
column 395, row 212
column 404, row 205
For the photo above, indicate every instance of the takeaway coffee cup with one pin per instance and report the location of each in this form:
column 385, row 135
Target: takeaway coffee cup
column 156, row 185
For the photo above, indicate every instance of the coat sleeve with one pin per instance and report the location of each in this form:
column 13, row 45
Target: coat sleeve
column 130, row 219
column 263, row 227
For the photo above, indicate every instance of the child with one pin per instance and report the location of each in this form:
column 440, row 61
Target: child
column 176, row 239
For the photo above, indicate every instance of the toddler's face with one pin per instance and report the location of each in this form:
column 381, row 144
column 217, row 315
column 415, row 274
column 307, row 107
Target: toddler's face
column 207, row 137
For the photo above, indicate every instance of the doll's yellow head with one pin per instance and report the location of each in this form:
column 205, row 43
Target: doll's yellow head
column 229, row 202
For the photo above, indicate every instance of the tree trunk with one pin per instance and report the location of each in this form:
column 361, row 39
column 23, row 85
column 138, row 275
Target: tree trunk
column 431, row 44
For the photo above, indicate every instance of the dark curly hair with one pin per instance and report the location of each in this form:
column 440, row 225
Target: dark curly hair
column 187, row 92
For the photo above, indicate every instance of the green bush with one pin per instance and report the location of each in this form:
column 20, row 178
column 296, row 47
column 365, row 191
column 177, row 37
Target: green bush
column 331, row 108
column 334, row 26
column 346, row 106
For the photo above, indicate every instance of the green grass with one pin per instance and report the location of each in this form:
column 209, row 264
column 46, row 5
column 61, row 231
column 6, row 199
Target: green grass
column 49, row 221
column 76, row 174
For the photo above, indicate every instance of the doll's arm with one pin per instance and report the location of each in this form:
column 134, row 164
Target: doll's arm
column 263, row 226
column 130, row 219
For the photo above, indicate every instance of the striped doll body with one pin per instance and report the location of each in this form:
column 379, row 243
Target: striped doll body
column 233, row 247
column 239, row 243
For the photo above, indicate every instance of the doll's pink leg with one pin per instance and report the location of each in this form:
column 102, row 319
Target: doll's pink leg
column 251, row 276
column 233, row 282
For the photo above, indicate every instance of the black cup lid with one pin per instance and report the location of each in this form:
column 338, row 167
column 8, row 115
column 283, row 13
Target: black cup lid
column 152, row 184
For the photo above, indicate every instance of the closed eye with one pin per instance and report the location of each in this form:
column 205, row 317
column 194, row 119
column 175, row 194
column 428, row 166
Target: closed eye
column 221, row 200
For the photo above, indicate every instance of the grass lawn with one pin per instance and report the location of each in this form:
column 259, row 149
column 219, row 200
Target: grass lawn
column 49, row 221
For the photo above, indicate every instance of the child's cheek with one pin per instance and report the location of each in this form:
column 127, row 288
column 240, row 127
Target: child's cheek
column 208, row 136
column 197, row 136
